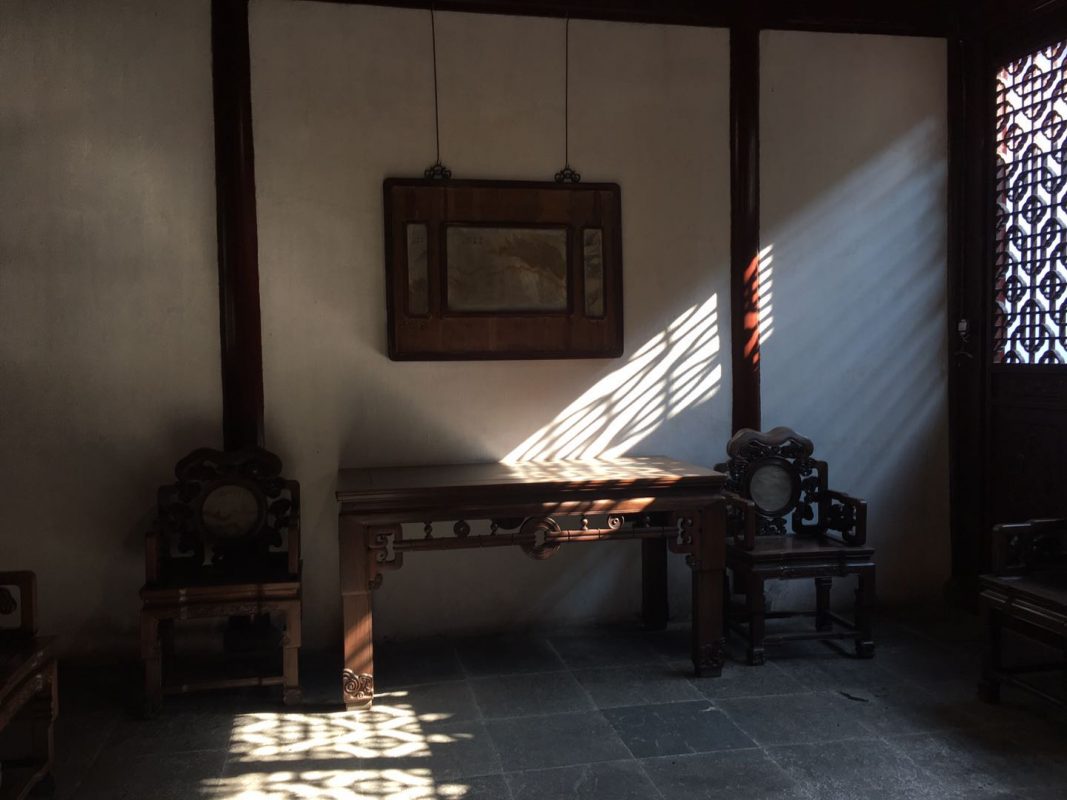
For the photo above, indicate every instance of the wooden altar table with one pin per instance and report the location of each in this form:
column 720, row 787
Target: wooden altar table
column 667, row 504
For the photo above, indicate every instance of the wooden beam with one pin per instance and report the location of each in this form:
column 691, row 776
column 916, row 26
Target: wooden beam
column 904, row 17
column 745, row 223
column 1021, row 26
column 235, row 198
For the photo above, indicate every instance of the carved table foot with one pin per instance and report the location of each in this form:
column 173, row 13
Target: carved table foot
column 358, row 690
column 710, row 659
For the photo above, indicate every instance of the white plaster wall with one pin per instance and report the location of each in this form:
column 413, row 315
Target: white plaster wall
column 109, row 355
column 342, row 98
column 853, row 171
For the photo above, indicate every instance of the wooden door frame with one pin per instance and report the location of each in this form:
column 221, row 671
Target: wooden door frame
column 983, row 38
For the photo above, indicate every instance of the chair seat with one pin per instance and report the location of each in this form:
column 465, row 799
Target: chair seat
column 1047, row 589
column 796, row 548
column 265, row 591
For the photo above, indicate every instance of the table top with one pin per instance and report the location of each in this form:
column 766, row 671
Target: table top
column 652, row 474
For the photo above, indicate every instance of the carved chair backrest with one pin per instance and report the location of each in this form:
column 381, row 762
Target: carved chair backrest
column 1035, row 546
column 776, row 471
column 228, row 513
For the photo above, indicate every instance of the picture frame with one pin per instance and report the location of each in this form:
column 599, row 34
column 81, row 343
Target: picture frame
column 479, row 269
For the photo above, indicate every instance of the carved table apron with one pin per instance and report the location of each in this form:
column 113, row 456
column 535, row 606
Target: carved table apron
column 666, row 503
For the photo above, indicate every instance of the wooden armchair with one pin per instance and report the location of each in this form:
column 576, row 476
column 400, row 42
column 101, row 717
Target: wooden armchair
column 225, row 544
column 28, row 692
column 786, row 524
column 1026, row 593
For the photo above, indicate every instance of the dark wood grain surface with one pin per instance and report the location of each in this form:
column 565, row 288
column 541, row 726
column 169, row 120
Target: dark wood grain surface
column 655, row 473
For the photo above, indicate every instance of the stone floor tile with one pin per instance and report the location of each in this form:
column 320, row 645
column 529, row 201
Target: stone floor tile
column 507, row 655
column 399, row 664
column 556, row 740
column 793, row 718
column 585, row 652
column 641, row 684
column 382, row 738
column 79, row 741
column 434, row 703
column 818, row 666
column 159, row 776
column 902, row 708
column 982, row 760
column 610, row 780
column 352, row 780
column 732, row 775
column 176, row 730
column 741, row 680
column 530, row 694
column 674, row 644
column 863, row 768
column 675, row 728
column 445, row 753
column 424, row 737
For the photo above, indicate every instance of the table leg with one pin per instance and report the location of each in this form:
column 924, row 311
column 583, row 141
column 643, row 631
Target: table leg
column 654, row 584
column 358, row 567
column 709, row 564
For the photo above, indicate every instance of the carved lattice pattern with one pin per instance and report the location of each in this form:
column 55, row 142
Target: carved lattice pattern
column 1030, row 308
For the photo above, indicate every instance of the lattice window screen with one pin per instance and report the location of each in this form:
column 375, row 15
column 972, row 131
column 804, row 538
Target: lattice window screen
column 1030, row 310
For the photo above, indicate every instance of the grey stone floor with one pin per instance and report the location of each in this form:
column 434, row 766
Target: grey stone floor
column 598, row 714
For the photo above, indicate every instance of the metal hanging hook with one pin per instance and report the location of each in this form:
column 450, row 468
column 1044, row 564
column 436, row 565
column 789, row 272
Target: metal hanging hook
column 567, row 175
column 438, row 170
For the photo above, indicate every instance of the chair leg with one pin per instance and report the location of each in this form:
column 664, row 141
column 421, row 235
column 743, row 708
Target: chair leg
column 755, row 605
column 727, row 597
column 291, row 693
column 41, row 714
column 865, row 603
column 822, row 604
column 989, row 683
column 153, row 667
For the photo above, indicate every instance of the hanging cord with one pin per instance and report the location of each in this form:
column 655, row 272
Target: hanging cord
column 438, row 170
column 567, row 175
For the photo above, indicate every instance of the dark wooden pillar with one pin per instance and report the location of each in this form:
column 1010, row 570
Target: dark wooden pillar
column 235, row 198
column 744, row 222
column 970, row 120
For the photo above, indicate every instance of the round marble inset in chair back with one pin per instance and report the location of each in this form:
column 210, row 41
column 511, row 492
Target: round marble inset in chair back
column 232, row 510
column 773, row 488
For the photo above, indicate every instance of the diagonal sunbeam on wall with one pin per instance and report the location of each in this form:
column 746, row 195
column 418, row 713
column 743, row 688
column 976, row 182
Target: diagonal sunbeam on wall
column 674, row 370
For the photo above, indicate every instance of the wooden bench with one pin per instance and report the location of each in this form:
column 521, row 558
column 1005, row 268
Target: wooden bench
column 1027, row 594
column 28, row 692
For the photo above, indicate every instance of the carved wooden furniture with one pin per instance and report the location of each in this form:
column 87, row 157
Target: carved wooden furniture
column 225, row 544
column 664, row 502
column 773, row 482
column 28, row 692
column 1027, row 594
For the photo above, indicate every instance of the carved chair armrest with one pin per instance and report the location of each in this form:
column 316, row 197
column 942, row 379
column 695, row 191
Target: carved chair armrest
column 294, row 528
column 152, row 544
column 1016, row 546
column 741, row 517
column 847, row 515
column 26, row 583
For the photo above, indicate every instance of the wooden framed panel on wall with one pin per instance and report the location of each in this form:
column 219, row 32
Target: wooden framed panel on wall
column 503, row 269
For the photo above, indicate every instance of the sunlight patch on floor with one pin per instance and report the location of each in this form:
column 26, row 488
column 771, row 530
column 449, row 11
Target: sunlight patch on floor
column 384, row 753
